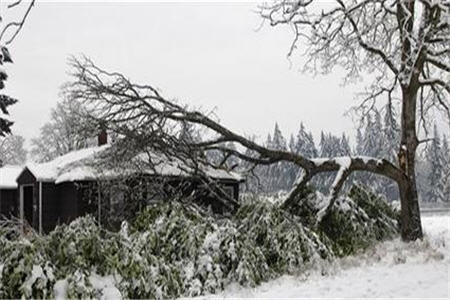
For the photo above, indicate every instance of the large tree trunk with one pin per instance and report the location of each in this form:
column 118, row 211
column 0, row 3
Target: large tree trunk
column 411, row 227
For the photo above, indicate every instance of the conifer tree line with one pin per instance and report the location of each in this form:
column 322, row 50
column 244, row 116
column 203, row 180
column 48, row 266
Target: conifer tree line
column 378, row 136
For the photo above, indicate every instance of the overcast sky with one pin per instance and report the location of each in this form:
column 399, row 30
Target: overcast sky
column 208, row 55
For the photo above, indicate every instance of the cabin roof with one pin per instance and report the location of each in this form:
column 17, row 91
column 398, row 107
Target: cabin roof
column 8, row 176
column 79, row 166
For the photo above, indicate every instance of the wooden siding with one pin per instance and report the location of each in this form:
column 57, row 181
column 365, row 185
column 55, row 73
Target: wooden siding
column 50, row 207
column 9, row 203
column 68, row 201
column 64, row 202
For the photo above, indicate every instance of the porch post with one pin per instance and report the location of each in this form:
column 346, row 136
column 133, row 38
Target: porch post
column 40, row 207
column 21, row 204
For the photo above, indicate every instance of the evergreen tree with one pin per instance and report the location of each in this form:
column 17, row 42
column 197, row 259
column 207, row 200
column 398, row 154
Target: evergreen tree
column 446, row 169
column 390, row 140
column 344, row 146
column 305, row 143
column 329, row 146
column 5, row 101
column 435, row 158
column 278, row 140
column 359, row 149
column 292, row 171
column 372, row 141
column 279, row 172
column 292, row 143
column 391, row 136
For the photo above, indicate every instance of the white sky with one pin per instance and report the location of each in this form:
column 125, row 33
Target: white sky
column 208, row 55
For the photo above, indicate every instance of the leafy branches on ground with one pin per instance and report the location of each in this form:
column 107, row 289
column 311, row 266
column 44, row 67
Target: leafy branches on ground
column 172, row 249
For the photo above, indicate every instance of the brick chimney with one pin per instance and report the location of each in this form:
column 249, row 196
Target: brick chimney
column 102, row 137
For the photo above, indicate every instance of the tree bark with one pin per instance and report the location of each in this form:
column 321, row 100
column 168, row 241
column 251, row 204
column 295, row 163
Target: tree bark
column 411, row 227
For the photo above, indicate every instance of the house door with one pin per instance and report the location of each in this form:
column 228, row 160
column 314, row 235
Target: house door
column 28, row 204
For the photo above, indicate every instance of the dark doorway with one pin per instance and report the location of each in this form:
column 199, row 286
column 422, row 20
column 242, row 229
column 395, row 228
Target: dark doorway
column 28, row 204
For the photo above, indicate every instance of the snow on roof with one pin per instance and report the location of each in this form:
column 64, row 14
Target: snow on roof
column 8, row 176
column 78, row 166
column 50, row 171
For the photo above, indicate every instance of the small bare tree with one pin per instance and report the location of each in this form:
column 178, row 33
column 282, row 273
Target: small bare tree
column 12, row 150
column 66, row 131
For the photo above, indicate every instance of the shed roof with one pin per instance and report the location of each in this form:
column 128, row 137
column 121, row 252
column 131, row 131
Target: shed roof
column 8, row 176
column 78, row 166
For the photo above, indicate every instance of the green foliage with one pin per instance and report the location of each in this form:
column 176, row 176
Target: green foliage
column 176, row 249
column 81, row 245
column 358, row 221
column 286, row 243
column 26, row 271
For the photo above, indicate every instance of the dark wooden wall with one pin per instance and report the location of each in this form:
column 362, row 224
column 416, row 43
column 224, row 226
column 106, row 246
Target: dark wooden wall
column 64, row 202
column 9, row 203
column 68, row 202
column 50, row 207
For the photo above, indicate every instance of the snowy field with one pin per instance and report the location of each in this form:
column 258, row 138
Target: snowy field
column 392, row 269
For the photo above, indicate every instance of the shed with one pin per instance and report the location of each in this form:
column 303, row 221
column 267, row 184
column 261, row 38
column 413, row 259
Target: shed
column 54, row 192
column 8, row 191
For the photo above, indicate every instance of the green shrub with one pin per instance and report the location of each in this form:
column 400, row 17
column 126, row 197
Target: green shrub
column 82, row 245
column 358, row 221
column 176, row 249
column 286, row 243
column 26, row 271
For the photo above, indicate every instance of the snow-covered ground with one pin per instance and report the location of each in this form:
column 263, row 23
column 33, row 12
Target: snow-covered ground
column 392, row 269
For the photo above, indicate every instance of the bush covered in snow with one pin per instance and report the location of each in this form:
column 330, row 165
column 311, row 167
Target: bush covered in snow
column 173, row 249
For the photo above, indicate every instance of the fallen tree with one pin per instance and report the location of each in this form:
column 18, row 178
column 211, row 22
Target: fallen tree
column 148, row 121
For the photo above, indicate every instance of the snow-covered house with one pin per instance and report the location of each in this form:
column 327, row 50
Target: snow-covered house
column 8, row 191
column 55, row 192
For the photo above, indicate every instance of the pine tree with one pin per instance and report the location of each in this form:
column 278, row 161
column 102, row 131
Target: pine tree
column 446, row 169
column 391, row 136
column 329, row 146
column 305, row 143
column 278, row 141
column 345, row 146
column 372, row 141
column 435, row 158
column 359, row 149
column 5, row 101
column 292, row 170
column 390, row 140
column 279, row 172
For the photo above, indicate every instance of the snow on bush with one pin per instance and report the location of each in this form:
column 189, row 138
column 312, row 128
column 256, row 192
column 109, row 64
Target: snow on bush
column 26, row 271
column 173, row 249
column 356, row 221
column 359, row 221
